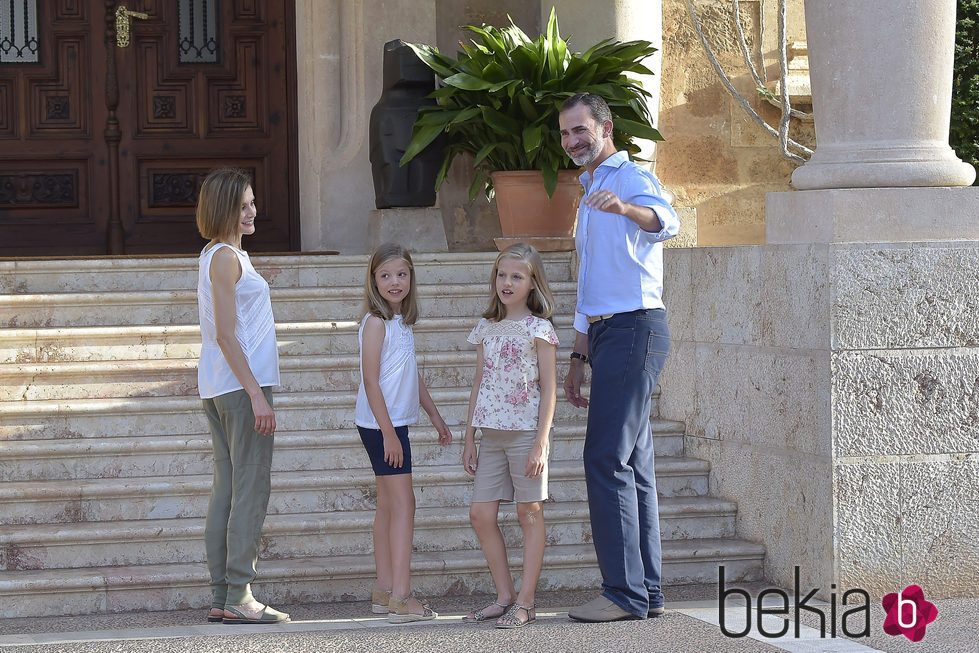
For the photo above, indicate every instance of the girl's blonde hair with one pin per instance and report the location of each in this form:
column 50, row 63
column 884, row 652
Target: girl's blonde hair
column 377, row 305
column 219, row 205
column 540, row 301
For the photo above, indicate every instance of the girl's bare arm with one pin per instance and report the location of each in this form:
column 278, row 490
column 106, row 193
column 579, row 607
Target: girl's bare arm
column 469, row 444
column 445, row 435
column 547, row 373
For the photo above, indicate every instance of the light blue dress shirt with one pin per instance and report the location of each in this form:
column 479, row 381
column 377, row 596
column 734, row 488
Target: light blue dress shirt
column 620, row 265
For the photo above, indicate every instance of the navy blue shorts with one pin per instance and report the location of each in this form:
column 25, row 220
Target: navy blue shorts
column 374, row 444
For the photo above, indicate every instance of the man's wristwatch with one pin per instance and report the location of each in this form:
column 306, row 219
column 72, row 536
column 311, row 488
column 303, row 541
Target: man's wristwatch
column 579, row 356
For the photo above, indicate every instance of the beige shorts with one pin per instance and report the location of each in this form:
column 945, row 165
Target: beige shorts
column 502, row 465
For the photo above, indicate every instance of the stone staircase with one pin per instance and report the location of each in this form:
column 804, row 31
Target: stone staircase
column 105, row 460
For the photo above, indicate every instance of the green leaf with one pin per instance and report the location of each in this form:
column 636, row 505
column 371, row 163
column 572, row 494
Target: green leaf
column 420, row 139
column 443, row 92
column 527, row 106
column 494, row 72
column 499, row 122
column 441, row 118
column 464, row 115
column 532, row 137
column 479, row 184
column 444, row 168
column 550, row 177
column 467, row 82
column 637, row 129
column 587, row 55
column 483, row 153
column 491, row 41
column 431, row 57
column 525, row 62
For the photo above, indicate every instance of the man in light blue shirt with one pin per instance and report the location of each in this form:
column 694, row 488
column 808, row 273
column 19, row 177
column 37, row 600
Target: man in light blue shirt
column 620, row 325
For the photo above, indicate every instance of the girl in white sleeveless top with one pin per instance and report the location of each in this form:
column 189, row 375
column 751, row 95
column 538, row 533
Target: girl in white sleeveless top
column 238, row 367
column 387, row 402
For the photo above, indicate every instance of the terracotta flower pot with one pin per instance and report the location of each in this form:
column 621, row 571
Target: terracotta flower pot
column 528, row 215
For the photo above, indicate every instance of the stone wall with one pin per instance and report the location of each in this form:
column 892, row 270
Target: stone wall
column 834, row 388
column 715, row 158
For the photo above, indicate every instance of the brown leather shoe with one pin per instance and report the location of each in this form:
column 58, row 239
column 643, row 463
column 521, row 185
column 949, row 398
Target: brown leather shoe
column 600, row 610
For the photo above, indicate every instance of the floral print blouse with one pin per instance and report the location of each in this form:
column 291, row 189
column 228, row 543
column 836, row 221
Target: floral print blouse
column 509, row 394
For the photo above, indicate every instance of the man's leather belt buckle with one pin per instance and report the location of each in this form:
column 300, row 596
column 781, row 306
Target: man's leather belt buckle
column 598, row 318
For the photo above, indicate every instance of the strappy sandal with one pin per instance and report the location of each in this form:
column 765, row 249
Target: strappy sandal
column 480, row 615
column 398, row 612
column 509, row 619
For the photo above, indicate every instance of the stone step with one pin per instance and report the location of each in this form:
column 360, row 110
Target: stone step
column 178, row 377
column 51, row 592
column 156, row 342
column 158, row 541
column 174, row 455
column 296, row 411
column 158, row 497
column 169, row 307
column 284, row 270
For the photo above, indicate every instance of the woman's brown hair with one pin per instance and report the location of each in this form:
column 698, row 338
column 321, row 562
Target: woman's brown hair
column 219, row 205
column 377, row 305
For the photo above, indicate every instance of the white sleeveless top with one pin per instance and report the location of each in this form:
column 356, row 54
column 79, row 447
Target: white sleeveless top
column 398, row 378
column 254, row 328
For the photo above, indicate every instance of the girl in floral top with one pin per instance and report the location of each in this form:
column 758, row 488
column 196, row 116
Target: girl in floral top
column 512, row 403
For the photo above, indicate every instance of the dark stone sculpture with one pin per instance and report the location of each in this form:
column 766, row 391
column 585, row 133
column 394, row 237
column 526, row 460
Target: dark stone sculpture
column 406, row 83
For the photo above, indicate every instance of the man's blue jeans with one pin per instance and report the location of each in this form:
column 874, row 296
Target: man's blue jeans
column 627, row 351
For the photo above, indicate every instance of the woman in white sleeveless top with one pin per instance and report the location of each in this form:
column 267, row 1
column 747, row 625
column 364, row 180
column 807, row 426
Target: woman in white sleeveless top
column 239, row 365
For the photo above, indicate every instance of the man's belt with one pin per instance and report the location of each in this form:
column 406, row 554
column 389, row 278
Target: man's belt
column 598, row 318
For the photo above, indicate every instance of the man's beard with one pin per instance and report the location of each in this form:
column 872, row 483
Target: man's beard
column 588, row 155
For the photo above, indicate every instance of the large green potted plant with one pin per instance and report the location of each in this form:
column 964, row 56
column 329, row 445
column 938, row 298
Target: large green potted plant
column 500, row 101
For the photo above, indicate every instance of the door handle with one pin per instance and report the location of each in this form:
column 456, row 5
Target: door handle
column 122, row 24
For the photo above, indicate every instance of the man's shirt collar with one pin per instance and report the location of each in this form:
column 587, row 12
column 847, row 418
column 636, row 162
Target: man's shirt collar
column 614, row 161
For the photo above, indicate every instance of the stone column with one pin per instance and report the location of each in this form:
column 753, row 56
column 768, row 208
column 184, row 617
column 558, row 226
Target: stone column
column 881, row 93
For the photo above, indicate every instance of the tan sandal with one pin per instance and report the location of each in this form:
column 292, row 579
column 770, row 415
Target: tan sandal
column 509, row 620
column 398, row 612
column 379, row 601
column 480, row 615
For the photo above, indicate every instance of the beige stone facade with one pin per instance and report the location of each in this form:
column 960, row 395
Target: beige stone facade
column 715, row 158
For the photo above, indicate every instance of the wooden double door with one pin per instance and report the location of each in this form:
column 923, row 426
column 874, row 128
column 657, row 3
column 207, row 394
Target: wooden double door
column 104, row 143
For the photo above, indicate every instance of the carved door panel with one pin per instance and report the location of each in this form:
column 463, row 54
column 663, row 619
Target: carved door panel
column 204, row 84
column 105, row 151
column 52, row 113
